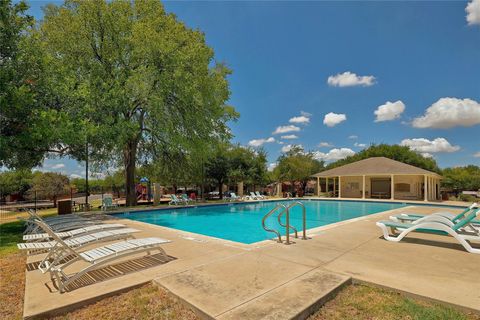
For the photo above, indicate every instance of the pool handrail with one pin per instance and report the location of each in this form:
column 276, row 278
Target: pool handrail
column 304, row 218
column 278, row 206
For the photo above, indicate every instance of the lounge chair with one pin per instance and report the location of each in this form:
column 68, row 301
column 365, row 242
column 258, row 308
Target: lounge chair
column 257, row 193
column 186, row 199
column 54, row 254
column 175, row 200
column 413, row 217
column 253, row 196
column 95, row 257
column 444, row 228
column 73, row 233
column 57, row 223
column 234, row 197
column 108, row 203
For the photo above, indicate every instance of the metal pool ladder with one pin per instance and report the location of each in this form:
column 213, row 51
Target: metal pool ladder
column 286, row 210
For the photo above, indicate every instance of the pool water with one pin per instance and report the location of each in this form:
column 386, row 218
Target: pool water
column 242, row 222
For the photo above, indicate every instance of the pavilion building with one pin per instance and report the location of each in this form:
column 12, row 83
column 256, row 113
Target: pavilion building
column 380, row 178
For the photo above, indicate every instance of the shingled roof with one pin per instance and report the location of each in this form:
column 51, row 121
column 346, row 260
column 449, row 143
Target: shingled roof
column 374, row 166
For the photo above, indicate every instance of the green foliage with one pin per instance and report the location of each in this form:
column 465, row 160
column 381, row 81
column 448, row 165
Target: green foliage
column 235, row 164
column 297, row 165
column 18, row 181
column 138, row 81
column 10, row 234
column 462, row 178
column 49, row 185
column 395, row 152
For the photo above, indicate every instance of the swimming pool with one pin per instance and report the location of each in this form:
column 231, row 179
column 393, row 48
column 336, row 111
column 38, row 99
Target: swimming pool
column 242, row 222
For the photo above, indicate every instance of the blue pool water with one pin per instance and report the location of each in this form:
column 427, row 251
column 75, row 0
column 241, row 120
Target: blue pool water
column 242, row 222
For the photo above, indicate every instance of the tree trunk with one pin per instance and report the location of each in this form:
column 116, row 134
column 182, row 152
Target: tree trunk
column 130, row 157
column 220, row 190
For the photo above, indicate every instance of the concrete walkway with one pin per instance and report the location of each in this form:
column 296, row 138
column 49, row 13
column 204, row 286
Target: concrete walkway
column 227, row 280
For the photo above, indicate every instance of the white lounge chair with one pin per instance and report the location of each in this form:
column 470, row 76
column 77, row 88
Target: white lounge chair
column 234, row 197
column 75, row 232
column 442, row 227
column 57, row 223
column 253, row 196
column 55, row 254
column 257, row 193
column 95, row 258
column 413, row 217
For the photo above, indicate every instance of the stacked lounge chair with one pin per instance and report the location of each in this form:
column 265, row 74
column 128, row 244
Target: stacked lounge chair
column 68, row 247
column 460, row 227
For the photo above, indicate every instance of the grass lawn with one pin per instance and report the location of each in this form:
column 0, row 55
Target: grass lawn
column 149, row 302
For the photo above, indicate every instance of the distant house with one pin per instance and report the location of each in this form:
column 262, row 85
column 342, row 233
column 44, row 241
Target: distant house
column 381, row 178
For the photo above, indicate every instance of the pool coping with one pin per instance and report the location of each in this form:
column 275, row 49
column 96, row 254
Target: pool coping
column 249, row 246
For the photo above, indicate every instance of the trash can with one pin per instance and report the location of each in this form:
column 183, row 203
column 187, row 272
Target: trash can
column 64, row 206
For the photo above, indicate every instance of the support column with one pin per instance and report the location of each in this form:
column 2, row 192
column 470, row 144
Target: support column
column 363, row 188
column 318, row 187
column 326, row 185
column 339, row 187
column 392, row 188
column 334, row 186
column 425, row 188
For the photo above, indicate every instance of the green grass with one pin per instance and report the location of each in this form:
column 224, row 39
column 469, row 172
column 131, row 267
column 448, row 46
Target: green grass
column 10, row 234
column 364, row 302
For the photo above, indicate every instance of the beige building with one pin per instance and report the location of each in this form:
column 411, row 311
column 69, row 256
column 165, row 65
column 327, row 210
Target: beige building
column 380, row 178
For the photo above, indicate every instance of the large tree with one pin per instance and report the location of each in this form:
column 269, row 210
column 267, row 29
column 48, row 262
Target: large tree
column 395, row 152
column 49, row 185
column 135, row 80
column 297, row 165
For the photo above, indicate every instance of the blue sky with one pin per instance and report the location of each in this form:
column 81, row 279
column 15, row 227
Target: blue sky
column 418, row 63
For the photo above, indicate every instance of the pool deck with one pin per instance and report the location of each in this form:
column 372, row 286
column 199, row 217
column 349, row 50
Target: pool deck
column 227, row 280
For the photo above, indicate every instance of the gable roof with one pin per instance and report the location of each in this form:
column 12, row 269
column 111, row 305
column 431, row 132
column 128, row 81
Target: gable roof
column 375, row 166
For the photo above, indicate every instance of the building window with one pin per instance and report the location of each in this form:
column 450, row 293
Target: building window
column 353, row 186
column 402, row 187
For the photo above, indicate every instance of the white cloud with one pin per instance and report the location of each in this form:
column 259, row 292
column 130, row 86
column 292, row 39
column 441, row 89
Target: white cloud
column 271, row 166
column 325, row 145
column 389, row 111
column 286, row 148
column 348, row 79
column 473, row 12
column 334, row 154
column 360, row 145
column 427, row 147
column 260, row 142
column 300, row 119
column 306, row 114
column 286, row 129
column 353, row 137
column 448, row 113
column 75, row 176
column 477, row 155
column 332, row 119
column 58, row 166
column 290, row 136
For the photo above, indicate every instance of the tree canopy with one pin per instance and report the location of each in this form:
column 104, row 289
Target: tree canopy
column 462, row 178
column 124, row 76
column 297, row 165
column 394, row 152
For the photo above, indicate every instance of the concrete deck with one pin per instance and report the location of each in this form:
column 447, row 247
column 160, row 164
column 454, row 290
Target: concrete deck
column 266, row 280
